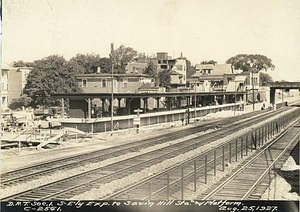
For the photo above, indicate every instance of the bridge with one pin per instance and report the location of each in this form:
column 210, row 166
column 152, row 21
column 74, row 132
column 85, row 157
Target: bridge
column 281, row 85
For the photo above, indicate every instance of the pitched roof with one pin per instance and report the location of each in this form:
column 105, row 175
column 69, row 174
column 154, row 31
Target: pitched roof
column 136, row 67
column 222, row 69
column 109, row 75
column 240, row 78
column 172, row 72
column 217, row 69
column 204, row 66
column 211, row 77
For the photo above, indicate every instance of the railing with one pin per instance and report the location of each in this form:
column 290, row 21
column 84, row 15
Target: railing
column 229, row 152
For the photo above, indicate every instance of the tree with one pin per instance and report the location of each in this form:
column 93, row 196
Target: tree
column 151, row 70
column 52, row 74
column 251, row 62
column 105, row 65
column 89, row 62
column 208, row 62
column 21, row 63
column 122, row 56
column 164, row 78
column 264, row 78
column 190, row 70
column 23, row 101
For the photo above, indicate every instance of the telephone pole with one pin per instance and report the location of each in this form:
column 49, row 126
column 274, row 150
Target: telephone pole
column 112, row 87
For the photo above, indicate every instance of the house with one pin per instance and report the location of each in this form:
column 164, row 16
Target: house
column 163, row 62
column 4, row 89
column 13, row 81
column 123, row 83
column 210, row 76
column 177, row 67
column 241, row 81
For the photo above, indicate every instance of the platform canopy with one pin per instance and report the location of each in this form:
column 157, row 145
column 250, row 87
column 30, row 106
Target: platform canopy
column 78, row 96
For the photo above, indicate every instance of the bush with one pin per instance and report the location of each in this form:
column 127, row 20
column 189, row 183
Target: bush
column 18, row 103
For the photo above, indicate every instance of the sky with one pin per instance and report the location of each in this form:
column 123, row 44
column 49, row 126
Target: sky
column 200, row 29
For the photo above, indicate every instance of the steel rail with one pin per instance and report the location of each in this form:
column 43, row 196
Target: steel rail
column 187, row 175
column 250, row 191
column 165, row 137
column 229, row 179
column 82, row 162
column 85, row 174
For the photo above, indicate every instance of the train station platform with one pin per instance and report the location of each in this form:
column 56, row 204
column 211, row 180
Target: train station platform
column 12, row 159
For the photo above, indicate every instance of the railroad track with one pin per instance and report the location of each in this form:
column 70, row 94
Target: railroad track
column 33, row 172
column 254, row 176
column 165, row 184
column 80, row 183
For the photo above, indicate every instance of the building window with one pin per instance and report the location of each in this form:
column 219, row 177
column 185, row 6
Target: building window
column 104, row 83
column 208, row 71
column 125, row 83
column 84, row 83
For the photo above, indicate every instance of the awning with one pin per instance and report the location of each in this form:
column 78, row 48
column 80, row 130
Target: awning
column 240, row 79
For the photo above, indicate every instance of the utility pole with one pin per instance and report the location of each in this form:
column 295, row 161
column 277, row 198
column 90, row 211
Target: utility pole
column 195, row 100
column 112, row 86
column 253, row 91
column 234, row 95
column 251, row 67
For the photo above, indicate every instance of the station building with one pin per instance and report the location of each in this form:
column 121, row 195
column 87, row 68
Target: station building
column 129, row 83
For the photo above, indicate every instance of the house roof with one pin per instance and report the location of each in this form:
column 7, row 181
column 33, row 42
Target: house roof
column 204, row 66
column 211, row 77
column 240, row 78
column 109, row 75
column 222, row 69
column 197, row 74
column 217, row 69
column 172, row 72
column 136, row 67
